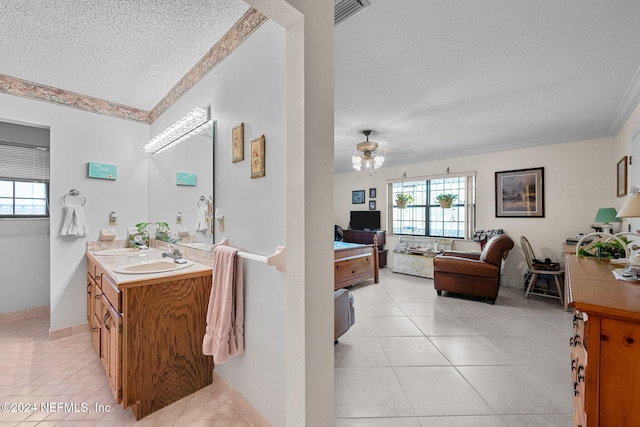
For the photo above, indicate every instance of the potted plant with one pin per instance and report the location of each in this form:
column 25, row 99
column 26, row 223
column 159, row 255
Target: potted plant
column 446, row 200
column 607, row 250
column 402, row 199
column 162, row 231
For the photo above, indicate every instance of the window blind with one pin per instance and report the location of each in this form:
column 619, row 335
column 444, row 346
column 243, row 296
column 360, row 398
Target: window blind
column 21, row 161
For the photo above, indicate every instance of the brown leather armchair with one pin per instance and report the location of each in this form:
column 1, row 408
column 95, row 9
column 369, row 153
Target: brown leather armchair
column 476, row 274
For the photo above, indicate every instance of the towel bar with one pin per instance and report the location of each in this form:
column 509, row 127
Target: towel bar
column 278, row 259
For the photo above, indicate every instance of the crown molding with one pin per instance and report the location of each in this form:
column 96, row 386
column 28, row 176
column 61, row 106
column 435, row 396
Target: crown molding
column 249, row 22
column 627, row 104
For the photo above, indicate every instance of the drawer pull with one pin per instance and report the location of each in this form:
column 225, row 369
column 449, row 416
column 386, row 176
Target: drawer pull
column 96, row 329
column 576, row 318
column 98, row 296
column 574, row 341
column 573, row 364
column 105, row 321
column 89, row 288
column 575, row 389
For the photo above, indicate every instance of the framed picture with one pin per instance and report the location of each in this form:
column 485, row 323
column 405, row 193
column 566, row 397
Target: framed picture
column 621, row 180
column 372, row 205
column 238, row 143
column 520, row 193
column 257, row 157
column 372, row 193
column 357, row 197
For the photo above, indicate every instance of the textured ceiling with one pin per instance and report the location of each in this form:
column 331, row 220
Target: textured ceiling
column 438, row 79
column 433, row 79
column 129, row 52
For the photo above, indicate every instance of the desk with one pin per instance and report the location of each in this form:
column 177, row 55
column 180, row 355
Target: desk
column 605, row 348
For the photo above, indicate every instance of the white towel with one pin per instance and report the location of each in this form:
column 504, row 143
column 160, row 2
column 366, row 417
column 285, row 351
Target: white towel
column 202, row 219
column 75, row 223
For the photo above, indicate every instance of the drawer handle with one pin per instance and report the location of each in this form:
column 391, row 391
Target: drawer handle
column 98, row 296
column 105, row 321
column 574, row 341
column 575, row 389
column 88, row 288
column 96, row 329
column 573, row 364
column 576, row 318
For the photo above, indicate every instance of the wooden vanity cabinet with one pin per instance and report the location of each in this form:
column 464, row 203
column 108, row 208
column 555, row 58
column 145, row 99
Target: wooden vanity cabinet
column 605, row 346
column 150, row 335
column 105, row 323
column 94, row 306
column 111, row 348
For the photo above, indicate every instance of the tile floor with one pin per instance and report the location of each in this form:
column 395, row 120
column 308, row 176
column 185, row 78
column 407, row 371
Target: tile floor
column 411, row 360
column 35, row 370
column 414, row 359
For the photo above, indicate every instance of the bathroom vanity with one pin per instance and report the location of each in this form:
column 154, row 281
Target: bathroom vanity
column 148, row 326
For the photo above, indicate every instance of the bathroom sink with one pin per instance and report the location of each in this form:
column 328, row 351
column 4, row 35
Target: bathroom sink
column 147, row 267
column 121, row 252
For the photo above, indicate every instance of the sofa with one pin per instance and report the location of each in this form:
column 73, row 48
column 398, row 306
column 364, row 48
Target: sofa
column 472, row 273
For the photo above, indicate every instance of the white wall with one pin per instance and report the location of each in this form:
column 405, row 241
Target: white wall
column 77, row 138
column 24, row 262
column 248, row 86
column 580, row 177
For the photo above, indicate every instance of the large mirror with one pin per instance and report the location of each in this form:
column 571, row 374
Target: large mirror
column 181, row 190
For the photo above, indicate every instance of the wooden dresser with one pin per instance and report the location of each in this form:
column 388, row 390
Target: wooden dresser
column 366, row 237
column 605, row 346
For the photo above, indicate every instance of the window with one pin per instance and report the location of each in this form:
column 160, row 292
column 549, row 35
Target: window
column 24, row 181
column 424, row 216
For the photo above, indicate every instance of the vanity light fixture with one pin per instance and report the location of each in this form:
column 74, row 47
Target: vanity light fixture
column 193, row 123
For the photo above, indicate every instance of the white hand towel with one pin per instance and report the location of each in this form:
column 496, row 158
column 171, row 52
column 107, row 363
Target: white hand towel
column 202, row 219
column 74, row 223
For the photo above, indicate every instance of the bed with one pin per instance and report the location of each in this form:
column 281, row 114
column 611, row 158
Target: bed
column 354, row 263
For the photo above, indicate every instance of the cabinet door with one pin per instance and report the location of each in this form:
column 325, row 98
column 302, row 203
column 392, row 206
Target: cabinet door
column 94, row 306
column 91, row 290
column 619, row 373
column 111, row 348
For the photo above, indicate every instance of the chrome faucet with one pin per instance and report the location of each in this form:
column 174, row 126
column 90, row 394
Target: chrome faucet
column 175, row 254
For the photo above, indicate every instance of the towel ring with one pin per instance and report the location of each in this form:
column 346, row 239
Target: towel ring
column 74, row 193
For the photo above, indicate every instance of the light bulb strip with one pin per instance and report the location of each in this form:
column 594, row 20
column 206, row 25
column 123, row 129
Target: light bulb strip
column 189, row 125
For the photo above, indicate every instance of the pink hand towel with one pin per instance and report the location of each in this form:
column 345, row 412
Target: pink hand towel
column 225, row 316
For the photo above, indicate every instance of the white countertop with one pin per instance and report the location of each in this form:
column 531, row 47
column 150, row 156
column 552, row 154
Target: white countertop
column 111, row 262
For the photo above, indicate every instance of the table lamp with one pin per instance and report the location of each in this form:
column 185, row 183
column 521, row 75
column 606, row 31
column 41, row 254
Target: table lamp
column 607, row 215
column 631, row 206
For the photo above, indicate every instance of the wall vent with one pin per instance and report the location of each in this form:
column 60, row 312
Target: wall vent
column 347, row 8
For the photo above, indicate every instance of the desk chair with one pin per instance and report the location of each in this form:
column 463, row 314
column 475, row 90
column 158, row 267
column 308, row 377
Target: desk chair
column 534, row 270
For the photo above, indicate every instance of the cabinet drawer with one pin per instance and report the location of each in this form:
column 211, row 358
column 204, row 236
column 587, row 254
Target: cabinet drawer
column 110, row 290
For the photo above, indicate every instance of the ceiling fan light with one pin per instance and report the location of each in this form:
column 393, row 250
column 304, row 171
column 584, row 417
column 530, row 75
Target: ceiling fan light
column 378, row 161
column 367, row 155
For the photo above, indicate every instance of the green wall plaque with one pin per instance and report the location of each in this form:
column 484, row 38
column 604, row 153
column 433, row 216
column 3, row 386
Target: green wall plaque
column 184, row 178
column 103, row 171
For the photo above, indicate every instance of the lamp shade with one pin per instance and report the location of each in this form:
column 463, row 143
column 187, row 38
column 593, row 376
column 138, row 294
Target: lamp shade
column 607, row 215
column 631, row 207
